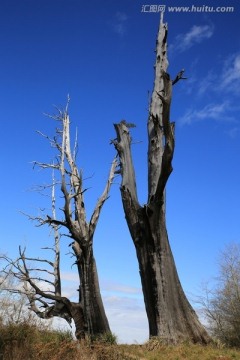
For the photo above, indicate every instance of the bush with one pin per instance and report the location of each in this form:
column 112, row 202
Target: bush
column 222, row 304
column 26, row 341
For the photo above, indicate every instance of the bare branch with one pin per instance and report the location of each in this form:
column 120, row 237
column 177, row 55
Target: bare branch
column 52, row 141
column 44, row 165
column 102, row 199
column 39, row 260
column 57, row 277
column 24, row 272
column 179, row 77
column 78, row 227
column 75, row 149
column 48, row 220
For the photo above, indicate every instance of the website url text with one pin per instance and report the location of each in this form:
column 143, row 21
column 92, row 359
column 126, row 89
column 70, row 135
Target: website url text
column 191, row 9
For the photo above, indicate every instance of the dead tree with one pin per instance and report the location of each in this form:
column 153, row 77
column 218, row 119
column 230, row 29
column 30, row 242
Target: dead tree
column 169, row 313
column 88, row 313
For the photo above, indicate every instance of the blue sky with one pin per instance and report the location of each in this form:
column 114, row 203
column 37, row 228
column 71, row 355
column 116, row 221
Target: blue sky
column 102, row 54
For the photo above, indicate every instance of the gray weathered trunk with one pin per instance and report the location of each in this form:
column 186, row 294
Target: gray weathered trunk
column 77, row 315
column 90, row 297
column 170, row 315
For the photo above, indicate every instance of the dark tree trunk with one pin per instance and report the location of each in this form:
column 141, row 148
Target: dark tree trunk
column 76, row 311
column 88, row 314
column 94, row 313
column 170, row 315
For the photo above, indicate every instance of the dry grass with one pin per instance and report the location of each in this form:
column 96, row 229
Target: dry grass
column 181, row 352
column 26, row 342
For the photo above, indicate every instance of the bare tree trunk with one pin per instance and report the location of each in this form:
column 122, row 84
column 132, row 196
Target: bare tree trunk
column 77, row 315
column 170, row 315
column 90, row 296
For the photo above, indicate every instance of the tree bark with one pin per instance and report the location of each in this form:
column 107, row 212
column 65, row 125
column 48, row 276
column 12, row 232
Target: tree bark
column 77, row 315
column 170, row 315
column 90, row 298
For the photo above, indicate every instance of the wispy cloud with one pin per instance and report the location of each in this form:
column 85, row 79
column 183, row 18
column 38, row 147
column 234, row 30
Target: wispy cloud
column 224, row 79
column 231, row 73
column 233, row 132
column 121, row 16
column 119, row 24
column 195, row 35
column 69, row 276
column 106, row 285
column 127, row 318
column 207, row 83
column 112, row 287
column 214, row 111
column 124, row 306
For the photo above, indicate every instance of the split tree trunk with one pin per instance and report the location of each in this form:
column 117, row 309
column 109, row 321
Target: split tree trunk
column 170, row 315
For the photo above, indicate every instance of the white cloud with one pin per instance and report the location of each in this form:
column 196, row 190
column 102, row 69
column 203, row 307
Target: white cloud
column 124, row 307
column 119, row 24
column 111, row 286
column 69, row 276
column 106, row 285
column 231, row 73
column 127, row 318
column 195, row 35
column 233, row 132
column 207, row 83
column 126, row 311
column 121, row 16
column 224, row 79
column 217, row 112
column 70, row 285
